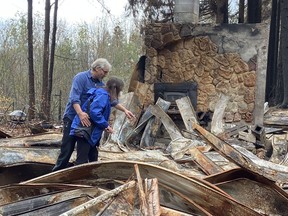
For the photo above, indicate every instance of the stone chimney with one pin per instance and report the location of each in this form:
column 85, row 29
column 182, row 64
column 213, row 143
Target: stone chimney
column 186, row 11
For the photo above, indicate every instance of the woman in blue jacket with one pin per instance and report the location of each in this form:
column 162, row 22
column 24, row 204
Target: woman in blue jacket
column 98, row 107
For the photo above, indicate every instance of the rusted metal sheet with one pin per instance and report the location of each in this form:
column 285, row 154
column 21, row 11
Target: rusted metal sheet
column 59, row 207
column 20, row 155
column 41, row 201
column 257, row 196
column 14, row 193
column 86, row 208
column 253, row 190
column 202, row 193
column 19, row 172
column 245, row 158
column 45, row 139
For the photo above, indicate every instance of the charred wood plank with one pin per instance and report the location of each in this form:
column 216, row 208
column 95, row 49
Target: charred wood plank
column 244, row 158
column 170, row 126
column 187, row 112
column 153, row 125
column 218, row 115
column 146, row 117
column 205, row 164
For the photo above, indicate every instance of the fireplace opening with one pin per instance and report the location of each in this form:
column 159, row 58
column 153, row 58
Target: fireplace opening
column 173, row 91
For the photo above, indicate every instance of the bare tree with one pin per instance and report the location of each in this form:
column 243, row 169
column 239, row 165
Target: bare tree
column 273, row 92
column 221, row 11
column 284, row 49
column 241, row 11
column 45, row 69
column 52, row 55
column 254, row 11
column 31, row 112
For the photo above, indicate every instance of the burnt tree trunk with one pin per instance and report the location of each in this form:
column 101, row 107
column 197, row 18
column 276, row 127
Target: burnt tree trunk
column 31, row 111
column 254, row 11
column 284, row 49
column 222, row 11
column 241, row 18
column 274, row 85
column 44, row 100
column 51, row 68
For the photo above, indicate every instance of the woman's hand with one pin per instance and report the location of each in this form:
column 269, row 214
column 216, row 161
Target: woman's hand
column 109, row 129
column 129, row 114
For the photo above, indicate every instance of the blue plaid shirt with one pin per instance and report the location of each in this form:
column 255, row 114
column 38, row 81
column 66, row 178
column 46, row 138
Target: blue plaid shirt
column 82, row 82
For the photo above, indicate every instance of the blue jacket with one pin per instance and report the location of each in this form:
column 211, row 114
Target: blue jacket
column 100, row 109
column 81, row 84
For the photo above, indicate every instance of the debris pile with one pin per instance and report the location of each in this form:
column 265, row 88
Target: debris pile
column 240, row 170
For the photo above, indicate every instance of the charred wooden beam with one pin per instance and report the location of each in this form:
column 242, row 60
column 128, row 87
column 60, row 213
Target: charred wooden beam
column 187, row 112
column 205, row 164
column 245, row 159
column 170, row 126
column 146, row 120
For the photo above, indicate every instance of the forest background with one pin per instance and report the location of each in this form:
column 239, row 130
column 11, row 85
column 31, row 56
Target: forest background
column 77, row 45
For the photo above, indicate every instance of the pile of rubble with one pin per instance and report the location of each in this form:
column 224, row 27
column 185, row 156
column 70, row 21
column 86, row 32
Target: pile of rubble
column 196, row 170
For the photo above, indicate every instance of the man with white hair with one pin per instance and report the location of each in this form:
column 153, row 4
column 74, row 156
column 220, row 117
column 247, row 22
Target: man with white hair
column 82, row 82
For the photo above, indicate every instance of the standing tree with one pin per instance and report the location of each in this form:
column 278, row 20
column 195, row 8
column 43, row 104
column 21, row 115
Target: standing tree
column 51, row 67
column 221, row 11
column 45, row 67
column 273, row 84
column 31, row 112
column 284, row 49
column 254, row 11
column 241, row 11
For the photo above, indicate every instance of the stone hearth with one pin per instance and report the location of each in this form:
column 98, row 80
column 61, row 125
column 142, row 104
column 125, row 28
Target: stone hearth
column 225, row 59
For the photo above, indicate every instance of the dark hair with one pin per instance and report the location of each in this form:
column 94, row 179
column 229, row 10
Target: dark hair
column 114, row 86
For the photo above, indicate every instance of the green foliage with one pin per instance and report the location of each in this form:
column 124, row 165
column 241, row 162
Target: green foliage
column 77, row 46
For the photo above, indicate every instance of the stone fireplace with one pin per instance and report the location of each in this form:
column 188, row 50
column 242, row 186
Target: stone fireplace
column 219, row 59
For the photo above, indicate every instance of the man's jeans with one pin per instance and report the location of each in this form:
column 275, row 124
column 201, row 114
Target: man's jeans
column 67, row 146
